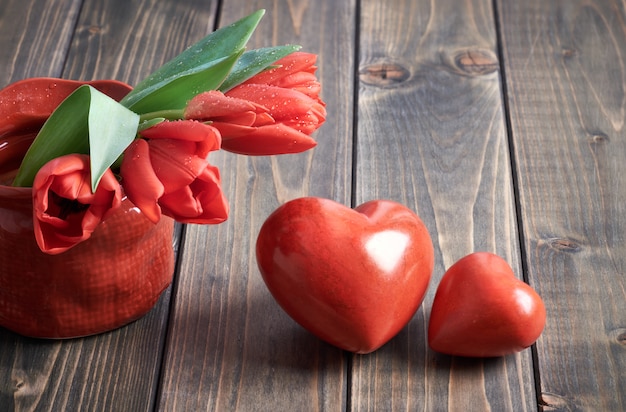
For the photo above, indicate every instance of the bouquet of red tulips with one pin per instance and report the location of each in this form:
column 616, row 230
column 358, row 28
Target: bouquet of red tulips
column 152, row 144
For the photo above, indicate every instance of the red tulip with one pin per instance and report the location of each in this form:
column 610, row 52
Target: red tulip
column 167, row 172
column 274, row 112
column 65, row 210
column 295, row 71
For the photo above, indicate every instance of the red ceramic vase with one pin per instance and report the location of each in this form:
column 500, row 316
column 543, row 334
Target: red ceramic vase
column 107, row 281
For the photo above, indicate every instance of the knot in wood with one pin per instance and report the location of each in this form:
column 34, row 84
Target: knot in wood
column 19, row 384
column 476, row 62
column 568, row 52
column 384, row 74
column 619, row 336
column 598, row 138
column 564, row 245
column 553, row 402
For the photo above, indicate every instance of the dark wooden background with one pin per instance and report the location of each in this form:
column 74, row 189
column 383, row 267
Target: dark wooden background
column 500, row 123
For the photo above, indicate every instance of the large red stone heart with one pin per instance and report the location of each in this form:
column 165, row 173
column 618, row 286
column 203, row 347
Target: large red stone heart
column 354, row 278
column 481, row 309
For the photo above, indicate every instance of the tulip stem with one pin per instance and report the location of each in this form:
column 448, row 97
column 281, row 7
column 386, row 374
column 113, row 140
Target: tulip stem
column 174, row 114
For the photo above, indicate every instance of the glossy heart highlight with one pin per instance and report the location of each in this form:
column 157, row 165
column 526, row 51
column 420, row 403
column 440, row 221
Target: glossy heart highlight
column 354, row 278
column 482, row 310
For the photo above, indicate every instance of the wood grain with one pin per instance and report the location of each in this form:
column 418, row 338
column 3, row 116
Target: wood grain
column 432, row 135
column 35, row 37
column 128, row 40
column 25, row 367
column 565, row 65
column 231, row 347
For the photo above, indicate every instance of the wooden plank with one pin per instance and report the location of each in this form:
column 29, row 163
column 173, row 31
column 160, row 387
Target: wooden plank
column 231, row 347
column 27, row 52
column 432, row 135
column 35, row 37
column 565, row 67
column 117, row 370
column 124, row 41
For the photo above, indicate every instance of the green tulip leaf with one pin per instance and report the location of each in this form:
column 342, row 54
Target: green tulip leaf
column 219, row 45
column 254, row 62
column 107, row 139
column 81, row 124
column 70, row 117
column 174, row 93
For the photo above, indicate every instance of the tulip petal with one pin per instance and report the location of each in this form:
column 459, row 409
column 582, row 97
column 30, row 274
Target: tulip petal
column 65, row 211
column 303, row 82
column 141, row 184
column 230, row 130
column 189, row 136
column 184, row 186
column 189, row 130
column 202, row 202
column 269, row 140
column 284, row 105
column 176, row 163
column 293, row 63
column 213, row 104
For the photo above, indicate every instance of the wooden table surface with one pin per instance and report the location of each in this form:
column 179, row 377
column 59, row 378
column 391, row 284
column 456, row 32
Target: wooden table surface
column 501, row 123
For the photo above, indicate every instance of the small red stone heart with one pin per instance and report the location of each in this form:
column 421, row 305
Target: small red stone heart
column 482, row 310
column 354, row 278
